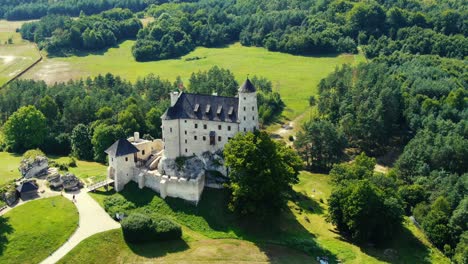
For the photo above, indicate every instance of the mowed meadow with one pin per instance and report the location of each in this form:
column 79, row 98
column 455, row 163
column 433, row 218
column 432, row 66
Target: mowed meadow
column 17, row 55
column 295, row 77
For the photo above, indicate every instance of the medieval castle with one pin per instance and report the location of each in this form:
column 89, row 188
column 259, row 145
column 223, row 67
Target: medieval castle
column 195, row 128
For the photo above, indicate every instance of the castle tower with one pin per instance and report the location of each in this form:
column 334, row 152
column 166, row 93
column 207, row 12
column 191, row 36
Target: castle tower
column 122, row 158
column 248, row 108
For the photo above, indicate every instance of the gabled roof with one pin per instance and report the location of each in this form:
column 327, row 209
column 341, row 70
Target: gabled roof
column 120, row 148
column 247, row 87
column 186, row 108
column 27, row 187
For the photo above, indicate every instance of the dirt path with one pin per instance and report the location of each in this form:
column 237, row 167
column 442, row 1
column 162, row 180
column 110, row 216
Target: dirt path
column 93, row 219
column 290, row 128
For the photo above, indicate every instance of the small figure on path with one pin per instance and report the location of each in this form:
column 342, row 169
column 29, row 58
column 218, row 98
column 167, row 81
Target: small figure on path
column 74, row 198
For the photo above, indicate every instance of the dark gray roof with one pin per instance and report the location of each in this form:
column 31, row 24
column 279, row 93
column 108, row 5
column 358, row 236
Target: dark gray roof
column 27, row 187
column 120, row 148
column 203, row 107
column 247, row 87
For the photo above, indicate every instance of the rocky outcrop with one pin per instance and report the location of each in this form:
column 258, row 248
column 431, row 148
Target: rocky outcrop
column 34, row 167
column 209, row 164
column 70, row 182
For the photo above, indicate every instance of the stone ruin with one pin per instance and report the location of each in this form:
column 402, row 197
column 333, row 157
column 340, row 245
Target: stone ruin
column 70, row 182
column 36, row 167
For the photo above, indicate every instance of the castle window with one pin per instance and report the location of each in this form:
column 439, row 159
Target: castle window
column 185, row 132
column 244, row 118
column 205, row 126
column 185, row 150
column 185, row 121
column 196, row 125
column 112, row 159
column 196, row 108
column 195, row 138
column 185, row 141
column 220, row 108
column 204, row 138
column 170, row 129
column 212, row 138
column 229, row 128
column 219, row 138
column 245, row 130
column 244, row 108
column 219, row 127
column 208, row 108
column 253, row 117
column 245, row 98
column 253, row 107
column 143, row 152
column 126, row 159
column 231, row 111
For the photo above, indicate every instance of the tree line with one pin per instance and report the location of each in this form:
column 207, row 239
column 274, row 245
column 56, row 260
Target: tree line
column 62, row 35
column 36, row 9
column 415, row 103
column 84, row 117
column 302, row 27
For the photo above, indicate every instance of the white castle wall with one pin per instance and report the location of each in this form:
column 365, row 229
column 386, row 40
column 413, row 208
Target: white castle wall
column 123, row 170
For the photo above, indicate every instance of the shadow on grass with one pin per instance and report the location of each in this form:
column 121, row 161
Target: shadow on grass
column 403, row 248
column 158, row 249
column 308, row 204
column 5, row 229
column 212, row 218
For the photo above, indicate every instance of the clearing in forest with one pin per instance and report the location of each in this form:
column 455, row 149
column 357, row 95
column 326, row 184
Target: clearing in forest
column 295, row 77
column 16, row 54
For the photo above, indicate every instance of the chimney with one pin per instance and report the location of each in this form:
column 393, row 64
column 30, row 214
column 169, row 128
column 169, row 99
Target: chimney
column 136, row 136
column 174, row 97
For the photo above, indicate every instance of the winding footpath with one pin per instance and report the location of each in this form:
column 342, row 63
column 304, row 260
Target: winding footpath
column 93, row 220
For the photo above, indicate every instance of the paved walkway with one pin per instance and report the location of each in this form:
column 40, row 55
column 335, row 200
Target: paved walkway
column 93, row 219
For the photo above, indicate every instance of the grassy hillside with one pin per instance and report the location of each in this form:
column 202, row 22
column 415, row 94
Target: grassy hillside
column 17, row 56
column 113, row 249
column 295, row 77
column 30, row 232
column 302, row 226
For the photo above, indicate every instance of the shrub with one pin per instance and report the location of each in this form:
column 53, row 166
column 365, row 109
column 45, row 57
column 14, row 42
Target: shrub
column 166, row 229
column 139, row 228
column 33, row 153
column 117, row 204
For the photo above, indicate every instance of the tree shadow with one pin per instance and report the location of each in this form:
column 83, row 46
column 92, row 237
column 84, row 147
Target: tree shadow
column 5, row 229
column 404, row 247
column 212, row 218
column 158, row 249
column 304, row 202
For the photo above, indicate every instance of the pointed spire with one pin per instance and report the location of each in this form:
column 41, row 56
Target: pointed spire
column 247, row 87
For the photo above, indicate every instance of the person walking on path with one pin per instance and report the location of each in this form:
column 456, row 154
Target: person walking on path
column 74, row 198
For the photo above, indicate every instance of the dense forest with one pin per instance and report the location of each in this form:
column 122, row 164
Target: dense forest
column 298, row 27
column 61, row 34
column 35, row 9
column 418, row 103
column 84, row 117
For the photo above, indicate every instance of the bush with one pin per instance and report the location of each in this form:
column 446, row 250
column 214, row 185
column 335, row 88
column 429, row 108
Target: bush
column 140, row 228
column 117, row 204
column 33, row 153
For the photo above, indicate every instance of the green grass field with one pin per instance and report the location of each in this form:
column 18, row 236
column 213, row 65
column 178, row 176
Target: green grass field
column 301, row 227
column 31, row 232
column 17, row 56
column 87, row 171
column 295, row 77
column 112, row 248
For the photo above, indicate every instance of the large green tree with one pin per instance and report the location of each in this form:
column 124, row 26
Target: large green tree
column 364, row 205
column 25, row 129
column 262, row 172
column 81, row 142
column 103, row 137
column 320, row 144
